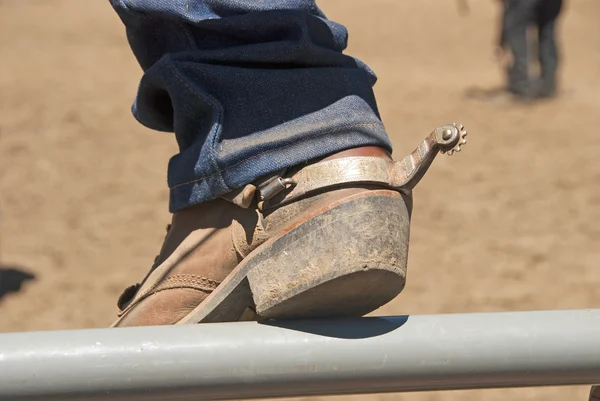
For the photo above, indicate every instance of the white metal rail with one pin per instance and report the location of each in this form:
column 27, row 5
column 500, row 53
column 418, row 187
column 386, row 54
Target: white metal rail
column 251, row 360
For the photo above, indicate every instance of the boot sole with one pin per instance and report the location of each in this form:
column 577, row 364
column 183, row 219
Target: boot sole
column 345, row 260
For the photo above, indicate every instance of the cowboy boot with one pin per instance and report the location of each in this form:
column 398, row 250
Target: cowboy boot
column 327, row 238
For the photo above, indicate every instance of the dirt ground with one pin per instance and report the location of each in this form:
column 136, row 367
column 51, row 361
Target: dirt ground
column 511, row 223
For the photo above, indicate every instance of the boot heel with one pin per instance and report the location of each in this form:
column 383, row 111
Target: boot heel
column 347, row 261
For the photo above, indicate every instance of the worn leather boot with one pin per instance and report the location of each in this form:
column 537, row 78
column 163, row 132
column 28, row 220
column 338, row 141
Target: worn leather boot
column 328, row 238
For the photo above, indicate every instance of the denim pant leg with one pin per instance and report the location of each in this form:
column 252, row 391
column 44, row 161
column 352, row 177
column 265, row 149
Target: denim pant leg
column 548, row 53
column 248, row 88
column 518, row 16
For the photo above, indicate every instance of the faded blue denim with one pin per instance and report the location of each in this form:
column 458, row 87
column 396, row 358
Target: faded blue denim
column 519, row 16
column 249, row 88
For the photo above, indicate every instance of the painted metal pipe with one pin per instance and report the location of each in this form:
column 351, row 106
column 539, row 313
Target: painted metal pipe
column 223, row 361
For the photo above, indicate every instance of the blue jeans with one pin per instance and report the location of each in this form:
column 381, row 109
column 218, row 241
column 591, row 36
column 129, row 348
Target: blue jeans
column 519, row 15
column 248, row 87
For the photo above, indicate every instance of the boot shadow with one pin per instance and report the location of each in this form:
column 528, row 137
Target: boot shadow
column 346, row 328
column 12, row 279
column 478, row 93
column 496, row 95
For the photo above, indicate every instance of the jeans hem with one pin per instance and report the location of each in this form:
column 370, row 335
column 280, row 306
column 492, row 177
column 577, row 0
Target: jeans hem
column 203, row 189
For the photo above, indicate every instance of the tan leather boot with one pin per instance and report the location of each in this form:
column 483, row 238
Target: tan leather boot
column 325, row 239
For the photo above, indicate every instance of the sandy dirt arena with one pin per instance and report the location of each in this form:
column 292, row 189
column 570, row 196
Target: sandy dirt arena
column 511, row 223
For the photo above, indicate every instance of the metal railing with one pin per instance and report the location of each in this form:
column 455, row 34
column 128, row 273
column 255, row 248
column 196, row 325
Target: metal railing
column 224, row 361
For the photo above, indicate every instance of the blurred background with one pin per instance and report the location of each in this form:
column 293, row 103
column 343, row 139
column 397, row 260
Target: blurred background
column 510, row 223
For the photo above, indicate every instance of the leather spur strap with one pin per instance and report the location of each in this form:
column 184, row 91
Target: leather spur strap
column 399, row 175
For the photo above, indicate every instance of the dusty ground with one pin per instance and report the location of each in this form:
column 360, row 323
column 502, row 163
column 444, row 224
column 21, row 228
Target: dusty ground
column 510, row 224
